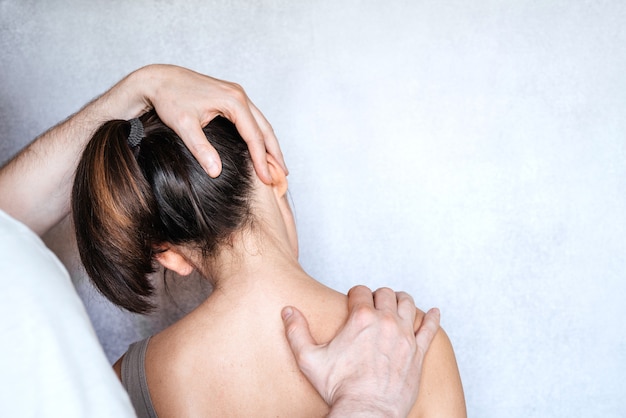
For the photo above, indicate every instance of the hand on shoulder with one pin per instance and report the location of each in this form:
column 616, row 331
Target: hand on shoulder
column 373, row 365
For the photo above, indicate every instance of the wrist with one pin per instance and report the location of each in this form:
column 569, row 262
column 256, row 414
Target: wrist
column 155, row 79
column 130, row 97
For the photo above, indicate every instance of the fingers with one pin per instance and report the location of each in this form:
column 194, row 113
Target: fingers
column 248, row 127
column 360, row 296
column 271, row 142
column 406, row 306
column 298, row 334
column 186, row 101
column 428, row 329
column 385, row 300
column 202, row 150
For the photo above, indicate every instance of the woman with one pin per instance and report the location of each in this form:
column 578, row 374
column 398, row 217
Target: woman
column 140, row 199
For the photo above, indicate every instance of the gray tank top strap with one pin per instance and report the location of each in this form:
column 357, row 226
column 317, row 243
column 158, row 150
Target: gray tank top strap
column 134, row 379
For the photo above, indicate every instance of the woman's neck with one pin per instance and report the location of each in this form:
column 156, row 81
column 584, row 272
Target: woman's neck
column 257, row 259
column 262, row 255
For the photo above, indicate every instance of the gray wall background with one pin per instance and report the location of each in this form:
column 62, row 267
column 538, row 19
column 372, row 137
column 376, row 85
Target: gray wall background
column 469, row 152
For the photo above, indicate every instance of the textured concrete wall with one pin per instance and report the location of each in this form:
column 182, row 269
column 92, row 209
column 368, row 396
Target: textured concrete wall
column 472, row 153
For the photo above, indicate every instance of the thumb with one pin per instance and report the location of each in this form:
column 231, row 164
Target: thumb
column 428, row 330
column 298, row 334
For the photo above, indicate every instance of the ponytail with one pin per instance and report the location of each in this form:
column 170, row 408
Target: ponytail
column 114, row 216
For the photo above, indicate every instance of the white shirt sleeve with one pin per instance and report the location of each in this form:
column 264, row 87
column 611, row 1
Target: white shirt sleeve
column 51, row 363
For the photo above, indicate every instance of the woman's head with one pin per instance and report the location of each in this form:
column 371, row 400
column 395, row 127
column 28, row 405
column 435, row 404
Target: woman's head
column 128, row 203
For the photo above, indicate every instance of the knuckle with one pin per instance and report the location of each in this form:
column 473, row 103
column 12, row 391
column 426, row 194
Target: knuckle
column 359, row 288
column 185, row 120
column 403, row 296
column 235, row 86
column 389, row 321
column 385, row 290
column 237, row 91
column 385, row 293
column 267, row 131
column 364, row 315
column 292, row 329
column 257, row 138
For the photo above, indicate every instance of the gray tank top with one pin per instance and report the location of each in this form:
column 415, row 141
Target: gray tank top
column 134, row 379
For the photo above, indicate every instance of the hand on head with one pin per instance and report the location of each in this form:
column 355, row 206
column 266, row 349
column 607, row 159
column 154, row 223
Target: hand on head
column 375, row 361
column 186, row 101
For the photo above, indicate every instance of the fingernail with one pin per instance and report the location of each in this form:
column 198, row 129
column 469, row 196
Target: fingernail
column 212, row 168
column 287, row 312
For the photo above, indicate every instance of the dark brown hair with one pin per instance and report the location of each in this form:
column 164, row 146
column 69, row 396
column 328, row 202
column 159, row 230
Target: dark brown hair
column 126, row 202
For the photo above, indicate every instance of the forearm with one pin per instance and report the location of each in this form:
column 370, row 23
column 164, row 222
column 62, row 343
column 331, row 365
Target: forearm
column 36, row 184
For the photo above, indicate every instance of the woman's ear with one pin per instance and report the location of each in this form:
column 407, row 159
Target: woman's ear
column 279, row 177
column 172, row 259
column 279, row 186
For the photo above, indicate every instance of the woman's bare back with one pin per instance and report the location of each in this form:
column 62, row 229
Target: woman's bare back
column 230, row 357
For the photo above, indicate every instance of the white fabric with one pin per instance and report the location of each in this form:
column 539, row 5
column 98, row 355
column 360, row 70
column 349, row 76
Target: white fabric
column 51, row 364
